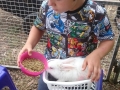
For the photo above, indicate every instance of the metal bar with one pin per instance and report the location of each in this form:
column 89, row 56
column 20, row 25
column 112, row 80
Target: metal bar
column 109, row 2
column 113, row 58
column 11, row 67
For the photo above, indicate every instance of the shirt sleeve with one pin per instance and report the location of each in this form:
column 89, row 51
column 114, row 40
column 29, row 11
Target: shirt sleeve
column 40, row 21
column 103, row 29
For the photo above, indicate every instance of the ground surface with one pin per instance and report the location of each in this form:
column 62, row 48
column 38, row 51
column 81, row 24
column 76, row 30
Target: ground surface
column 12, row 39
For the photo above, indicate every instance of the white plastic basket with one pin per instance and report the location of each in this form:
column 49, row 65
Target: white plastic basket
column 77, row 85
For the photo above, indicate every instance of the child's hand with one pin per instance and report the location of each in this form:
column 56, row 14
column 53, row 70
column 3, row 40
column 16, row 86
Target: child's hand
column 25, row 48
column 93, row 63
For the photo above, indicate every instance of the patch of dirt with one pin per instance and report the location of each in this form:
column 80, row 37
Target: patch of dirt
column 22, row 81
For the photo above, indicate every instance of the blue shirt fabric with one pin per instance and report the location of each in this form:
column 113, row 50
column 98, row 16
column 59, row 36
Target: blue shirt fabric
column 73, row 33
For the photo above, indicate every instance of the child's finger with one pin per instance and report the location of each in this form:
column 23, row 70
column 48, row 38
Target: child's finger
column 98, row 76
column 84, row 65
column 90, row 71
column 29, row 51
column 18, row 59
column 95, row 74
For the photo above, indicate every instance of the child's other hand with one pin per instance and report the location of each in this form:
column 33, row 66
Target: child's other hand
column 93, row 63
column 25, row 48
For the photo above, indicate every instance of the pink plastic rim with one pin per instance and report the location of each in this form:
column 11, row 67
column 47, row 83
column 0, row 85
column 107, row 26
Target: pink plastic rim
column 35, row 55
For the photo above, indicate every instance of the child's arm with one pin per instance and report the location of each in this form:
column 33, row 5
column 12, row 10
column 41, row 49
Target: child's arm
column 93, row 60
column 105, row 35
column 36, row 32
column 34, row 36
column 104, row 48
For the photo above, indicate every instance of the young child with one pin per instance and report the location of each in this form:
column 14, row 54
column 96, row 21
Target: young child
column 74, row 28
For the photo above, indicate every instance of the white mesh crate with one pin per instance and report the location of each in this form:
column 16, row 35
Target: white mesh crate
column 77, row 85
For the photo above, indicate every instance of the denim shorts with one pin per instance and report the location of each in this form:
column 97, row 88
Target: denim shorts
column 41, row 84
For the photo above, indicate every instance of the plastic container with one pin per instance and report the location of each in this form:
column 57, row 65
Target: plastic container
column 34, row 55
column 78, row 85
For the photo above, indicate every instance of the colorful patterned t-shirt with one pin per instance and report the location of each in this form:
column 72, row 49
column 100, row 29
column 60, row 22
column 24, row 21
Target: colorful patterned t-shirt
column 73, row 33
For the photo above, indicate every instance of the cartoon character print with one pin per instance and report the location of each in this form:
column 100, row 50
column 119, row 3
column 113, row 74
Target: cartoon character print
column 55, row 52
column 72, row 42
column 39, row 21
column 58, row 52
column 91, row 15
column 73, row 34
column 92, row 43
column 54, row 21
column 87, row 14
column 56, row 45
column 82, row 16
column 100, row 9
column 104, row 27
column 79, row 30
column 58, row 22
column 76, row 48
column 81, row 52
column 77, row 42
column 56, row 40
column 90, row 47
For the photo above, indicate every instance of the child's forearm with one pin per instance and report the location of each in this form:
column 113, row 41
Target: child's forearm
column 34, row 36
column 104, row 48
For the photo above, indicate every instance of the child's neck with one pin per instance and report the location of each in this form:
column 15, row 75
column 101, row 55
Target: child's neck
column 77, row 4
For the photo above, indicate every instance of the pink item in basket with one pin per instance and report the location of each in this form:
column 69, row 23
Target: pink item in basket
column 35, row 55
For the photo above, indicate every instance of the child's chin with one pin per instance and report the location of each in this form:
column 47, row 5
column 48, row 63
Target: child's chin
column 58, row 11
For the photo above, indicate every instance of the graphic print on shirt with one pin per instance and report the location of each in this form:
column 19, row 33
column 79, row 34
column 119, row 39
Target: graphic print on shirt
column 74, row 34
column 77, row 38
column 56, row 47
column 55, row 21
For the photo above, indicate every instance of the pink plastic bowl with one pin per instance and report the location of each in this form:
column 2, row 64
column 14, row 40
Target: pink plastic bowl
column 35, row 55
